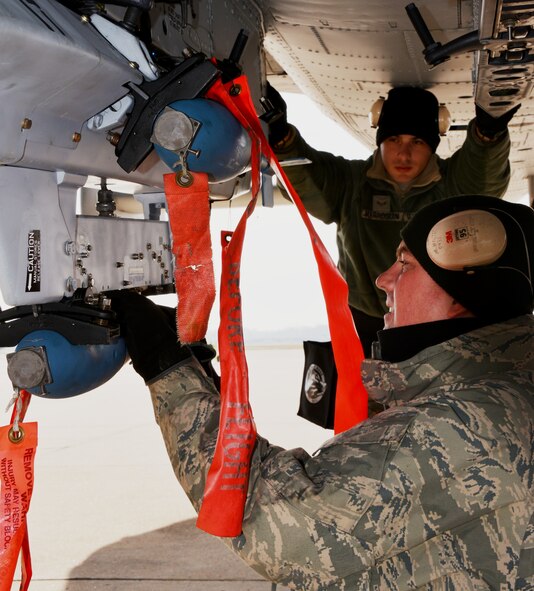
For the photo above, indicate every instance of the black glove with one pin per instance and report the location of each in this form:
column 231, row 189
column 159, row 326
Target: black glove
column 276, row 118
column 150, row 333
column 490, row 126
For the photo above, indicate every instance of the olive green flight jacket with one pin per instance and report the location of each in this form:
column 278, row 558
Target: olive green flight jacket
column 369, row 210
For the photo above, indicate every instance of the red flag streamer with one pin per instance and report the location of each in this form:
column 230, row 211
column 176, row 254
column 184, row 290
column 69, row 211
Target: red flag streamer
column 224, row 498
column 18, row 443
column 189, row 218
column 351, row 396
column 223, row 503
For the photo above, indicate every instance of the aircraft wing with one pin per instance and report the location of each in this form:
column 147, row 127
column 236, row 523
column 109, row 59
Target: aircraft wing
column 345, row 54
column 70, row 69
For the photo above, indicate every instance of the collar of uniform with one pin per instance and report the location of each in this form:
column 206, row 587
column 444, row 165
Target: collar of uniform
column 398, row 344
column 493, row 349
column 430, row 174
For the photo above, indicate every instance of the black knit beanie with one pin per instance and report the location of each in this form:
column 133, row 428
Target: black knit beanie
column 412, row 111
column 480, row 250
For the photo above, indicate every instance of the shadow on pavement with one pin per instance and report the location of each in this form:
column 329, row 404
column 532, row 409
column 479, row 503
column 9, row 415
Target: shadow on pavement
column 177, row 557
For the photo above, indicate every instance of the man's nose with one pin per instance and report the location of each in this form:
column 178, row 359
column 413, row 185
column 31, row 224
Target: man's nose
column 384, row 279
column 405, row 150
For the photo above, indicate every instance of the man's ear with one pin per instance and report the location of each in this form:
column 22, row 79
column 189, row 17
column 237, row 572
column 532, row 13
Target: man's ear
column 457, row 310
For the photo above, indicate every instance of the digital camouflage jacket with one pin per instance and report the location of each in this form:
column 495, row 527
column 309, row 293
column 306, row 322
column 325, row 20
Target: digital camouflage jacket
column 435, row 493
column 369, row 210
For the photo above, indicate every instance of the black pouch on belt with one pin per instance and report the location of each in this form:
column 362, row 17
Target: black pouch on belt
column 318, row 392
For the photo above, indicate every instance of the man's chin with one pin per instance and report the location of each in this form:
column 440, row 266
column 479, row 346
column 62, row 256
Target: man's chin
column 403, row 178
column 389, row 321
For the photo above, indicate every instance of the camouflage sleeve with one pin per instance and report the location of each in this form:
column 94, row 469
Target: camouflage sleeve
column 186, row 405
column 301, row 510
column 421, row 492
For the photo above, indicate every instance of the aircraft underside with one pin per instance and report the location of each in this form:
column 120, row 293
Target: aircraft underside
column 89, row 89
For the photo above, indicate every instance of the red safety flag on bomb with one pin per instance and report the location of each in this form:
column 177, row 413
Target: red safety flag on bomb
column 17, row 453
column 189, row 217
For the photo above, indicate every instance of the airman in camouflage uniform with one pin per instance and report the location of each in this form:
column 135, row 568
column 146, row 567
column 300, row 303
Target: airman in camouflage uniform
column 433, row 493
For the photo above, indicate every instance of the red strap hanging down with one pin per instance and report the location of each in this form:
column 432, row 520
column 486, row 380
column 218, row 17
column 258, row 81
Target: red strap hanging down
column 225, row 494
column 223, row 503
column 16, row 486
column 188, row 209
column 351, row 397
column 189, row 218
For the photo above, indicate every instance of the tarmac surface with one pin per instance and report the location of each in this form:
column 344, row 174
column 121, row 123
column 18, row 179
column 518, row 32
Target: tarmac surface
column 107, row 513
